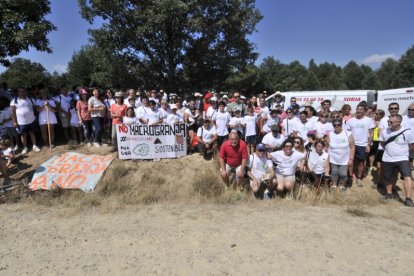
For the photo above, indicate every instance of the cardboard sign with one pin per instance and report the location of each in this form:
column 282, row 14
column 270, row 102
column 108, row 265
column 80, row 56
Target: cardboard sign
column 70, row 171
column 151, row 142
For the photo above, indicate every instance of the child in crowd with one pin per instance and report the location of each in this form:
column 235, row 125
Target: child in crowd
column 249, row 123
column 6, row 151
column 130, row 118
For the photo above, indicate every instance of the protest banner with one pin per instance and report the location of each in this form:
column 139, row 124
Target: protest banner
column 151, row 142
column 70, row 171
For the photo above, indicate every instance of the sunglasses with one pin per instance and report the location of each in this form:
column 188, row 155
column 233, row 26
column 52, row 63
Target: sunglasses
column 410, row 109
column 297, row 142
column 236, row 96
column 337, row 125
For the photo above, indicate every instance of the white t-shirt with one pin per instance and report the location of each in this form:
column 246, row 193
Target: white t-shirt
column 206, row 134
column 164, row 113
column 137, row 102
column 313, row 119
column 174, row 119
column 142, row 111
column 291, row 125
column 316, row 162
column 74, row 118
column 273, row 142
column 360, row 129
column 323, row 129
column 250, row 124
column 130, row 121
column 398, row 149
column 191, row 118
column 259, row 166
column 210, row 112
column 286, row 165
column 221, row 120
column 339, row 149
column 24, row 110
column 64, row 101
column 43, row 114
column 95, row 103
column 270, row 121
column 236, row 123
column 303, row 128
column 6, row 115
column 153, row 116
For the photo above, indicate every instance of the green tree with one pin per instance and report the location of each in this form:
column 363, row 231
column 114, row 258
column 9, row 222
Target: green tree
column 311, row 82
column 58, row 80
column 24, row 73
column 405, row 69
column 177, row 43
column 388, row 75
column 371, row 81
column 353, row 75
column 247, row 81
column 23, row 25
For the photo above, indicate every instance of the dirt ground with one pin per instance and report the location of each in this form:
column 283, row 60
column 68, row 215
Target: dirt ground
column 191, row 232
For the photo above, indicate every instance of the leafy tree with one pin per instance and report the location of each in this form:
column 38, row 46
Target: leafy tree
column 247, row 81
column 177, row 43
column 387, row 74
column 24, row 73
column 371, row 81
column 272, row 72
column 406, row 69
column 333, row 82
column 311, row 82
column 58, row 80
column 353, row 75
column 23, row 25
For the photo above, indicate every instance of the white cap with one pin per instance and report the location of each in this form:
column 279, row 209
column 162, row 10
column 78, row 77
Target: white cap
column 173, row 106
column 213, row 99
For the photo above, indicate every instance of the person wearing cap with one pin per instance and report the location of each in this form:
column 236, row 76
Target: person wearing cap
column 174, row 117
column 207, row 138
column 221, row 120
column 212, row 108
column 118, row 111
column 206, row 103
column 278, row 99
column 287, row 162
column 233, row 158
column 273, row 140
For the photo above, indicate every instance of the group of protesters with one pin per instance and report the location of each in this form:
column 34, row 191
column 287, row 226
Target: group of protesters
column 268, row 142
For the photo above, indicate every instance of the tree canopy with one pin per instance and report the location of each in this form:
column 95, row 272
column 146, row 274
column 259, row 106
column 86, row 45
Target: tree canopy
column 23, row 25
column 177, row 43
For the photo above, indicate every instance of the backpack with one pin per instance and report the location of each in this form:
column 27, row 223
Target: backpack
column 33, row 104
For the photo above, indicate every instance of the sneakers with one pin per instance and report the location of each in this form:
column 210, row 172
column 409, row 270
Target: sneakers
column 16, row 148
column 88, row 145
column 359, row 182
column 388, row 196
column 35, row 148
column 267, row 196
column 25, row 150
column 96, row 145
column 408, row 202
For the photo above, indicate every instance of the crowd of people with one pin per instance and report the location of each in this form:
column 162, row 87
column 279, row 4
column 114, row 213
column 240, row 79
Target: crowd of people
column 269, row 142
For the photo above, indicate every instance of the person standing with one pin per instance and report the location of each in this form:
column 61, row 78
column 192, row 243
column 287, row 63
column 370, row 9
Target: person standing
column 97, row 110
column 118, row 111
column 85, row 119
column 397, row 142
column 62, row 105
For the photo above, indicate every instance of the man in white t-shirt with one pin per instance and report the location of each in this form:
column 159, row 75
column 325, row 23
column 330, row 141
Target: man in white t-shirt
column 22, row 113
column 290, row 123
column 63, row 105
column 273, row 140
column 221, row 120
column 260, row 171
column 207, row 138
column 132, row 94
column 153, row 116
column 362, row 128
column 305, row 125
column 408, row 122
column 397, row 142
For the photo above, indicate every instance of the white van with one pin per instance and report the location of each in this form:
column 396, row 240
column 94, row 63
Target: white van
column 337, row 97
column 403, row 96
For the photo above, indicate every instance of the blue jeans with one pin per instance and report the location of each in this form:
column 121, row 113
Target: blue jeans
column 87, row 131
column 98, row 124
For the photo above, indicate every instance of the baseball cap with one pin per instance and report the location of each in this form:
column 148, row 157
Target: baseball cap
column 173, row 106
column 274, row 127
column 260, row 146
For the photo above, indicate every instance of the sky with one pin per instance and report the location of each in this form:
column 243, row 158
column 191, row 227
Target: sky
column 366, row 31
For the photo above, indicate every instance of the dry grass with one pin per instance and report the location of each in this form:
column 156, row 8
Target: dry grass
column 358, row 212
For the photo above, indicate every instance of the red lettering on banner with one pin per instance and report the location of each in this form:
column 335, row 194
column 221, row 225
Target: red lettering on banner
column 122, row 128
column 78, row 179
column 39, row 182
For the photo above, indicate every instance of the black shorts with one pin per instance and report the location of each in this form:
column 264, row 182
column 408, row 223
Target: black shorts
column 221, row 140
column 360, row 153
column 251, row 140
column 374, row 148
column 201, row 147
column 28, row 128
column 378, row 156
column 192, row 127
column 390, row 170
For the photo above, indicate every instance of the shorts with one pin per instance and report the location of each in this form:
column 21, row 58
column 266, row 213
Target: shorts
column 28, row 128
column 192, row 127
column 360, row 153
column 378, row 156
column 201, row 147
column 221, row 140
column 282, row 178
column 64, row 120
column 251, row 140
column 390, row 170
column 230, row 169
column 374, row 148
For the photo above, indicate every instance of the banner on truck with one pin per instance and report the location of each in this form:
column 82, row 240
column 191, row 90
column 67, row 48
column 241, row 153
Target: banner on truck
column 151, row 142
column 70, row 171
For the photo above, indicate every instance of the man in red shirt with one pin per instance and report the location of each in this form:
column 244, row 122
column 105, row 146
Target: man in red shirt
column 233, row 158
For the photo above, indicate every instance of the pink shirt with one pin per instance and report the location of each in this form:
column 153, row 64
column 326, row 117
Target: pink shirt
column 83, row 109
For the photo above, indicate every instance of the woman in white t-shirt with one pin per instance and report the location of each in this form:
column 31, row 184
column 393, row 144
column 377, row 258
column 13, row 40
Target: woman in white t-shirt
column 318, row 162
column 130, row 118
column 323, row 127
column 46, row 108
column 341, row 149
column 207, row 138
column 191, row 115
column 287, row 162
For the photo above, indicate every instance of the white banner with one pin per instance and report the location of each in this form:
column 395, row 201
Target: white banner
column 151, row 142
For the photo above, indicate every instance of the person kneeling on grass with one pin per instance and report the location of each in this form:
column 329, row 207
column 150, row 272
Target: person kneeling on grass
column 207, row 138
column 287, row 161
column 233, row 158
column 260, row 171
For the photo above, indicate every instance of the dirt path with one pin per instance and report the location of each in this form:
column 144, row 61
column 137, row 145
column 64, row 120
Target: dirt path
column 275, row 238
